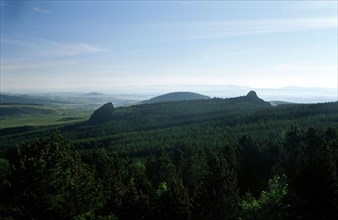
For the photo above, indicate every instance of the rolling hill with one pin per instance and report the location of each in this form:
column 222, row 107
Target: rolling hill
column 94, row 94
column 188, row 109
column 12, row 110
column 176, row 96
column 26, row 99
column 109, row 121
column 163, row 114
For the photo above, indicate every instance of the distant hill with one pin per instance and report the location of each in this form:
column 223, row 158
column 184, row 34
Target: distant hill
column 26, row 99
column 4, row 99
column 25, row 109
column 176, row 96
column 91, row 94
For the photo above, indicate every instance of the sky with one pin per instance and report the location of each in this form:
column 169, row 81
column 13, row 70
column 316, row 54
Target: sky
column 110, row 45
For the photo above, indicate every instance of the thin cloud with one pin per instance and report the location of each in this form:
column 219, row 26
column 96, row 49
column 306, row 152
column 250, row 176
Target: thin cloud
column 33, row 65
column 185, row 3
column 219, row 29
column 49, row 48
column 40, row 10
column 13, row 41
column 207, row 30
column 136, row 51
column 64, row 50
column 313, row 6
column 309, row 68
column 302, row 73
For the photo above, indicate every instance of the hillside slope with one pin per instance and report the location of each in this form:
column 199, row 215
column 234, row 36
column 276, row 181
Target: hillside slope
column 11, row 110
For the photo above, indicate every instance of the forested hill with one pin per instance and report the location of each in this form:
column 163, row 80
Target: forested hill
column 237, row 158
column 172, row 109
column 176, row 96
column 109, row 120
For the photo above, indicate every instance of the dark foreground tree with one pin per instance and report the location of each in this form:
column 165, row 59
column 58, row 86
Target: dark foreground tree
column 49, row 181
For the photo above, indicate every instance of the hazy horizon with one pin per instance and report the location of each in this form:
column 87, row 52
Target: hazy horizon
column 124, row 46
column 289, row 94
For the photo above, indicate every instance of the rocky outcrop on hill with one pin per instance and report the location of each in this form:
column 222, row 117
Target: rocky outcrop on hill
column 103, row 114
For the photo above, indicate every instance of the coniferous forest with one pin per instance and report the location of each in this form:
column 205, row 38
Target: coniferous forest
column 237, row 158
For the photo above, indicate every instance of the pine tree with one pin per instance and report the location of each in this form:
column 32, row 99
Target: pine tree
column 49, row 181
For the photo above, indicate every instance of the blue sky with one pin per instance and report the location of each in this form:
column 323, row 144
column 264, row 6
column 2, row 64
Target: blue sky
column 105, row 45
